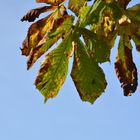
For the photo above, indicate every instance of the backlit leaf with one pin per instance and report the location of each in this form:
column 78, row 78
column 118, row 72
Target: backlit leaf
column 88, row 77
column 53, row 71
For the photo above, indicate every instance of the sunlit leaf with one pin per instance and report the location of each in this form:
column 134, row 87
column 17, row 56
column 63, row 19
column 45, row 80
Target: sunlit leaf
column 88, row 77
column 53, row 71
column 60, row 26
column 125, row 68
column 89, row 37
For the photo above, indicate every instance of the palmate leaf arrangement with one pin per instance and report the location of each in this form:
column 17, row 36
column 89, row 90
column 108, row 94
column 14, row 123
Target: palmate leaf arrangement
column 88, row 35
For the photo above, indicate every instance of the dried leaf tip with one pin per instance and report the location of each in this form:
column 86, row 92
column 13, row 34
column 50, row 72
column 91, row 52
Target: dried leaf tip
column 35, row 13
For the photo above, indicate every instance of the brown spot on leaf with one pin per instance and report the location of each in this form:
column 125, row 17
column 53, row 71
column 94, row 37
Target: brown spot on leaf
column 44, row 67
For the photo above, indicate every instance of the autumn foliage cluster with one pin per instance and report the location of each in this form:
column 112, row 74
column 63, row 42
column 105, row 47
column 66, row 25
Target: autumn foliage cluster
column 85, row 30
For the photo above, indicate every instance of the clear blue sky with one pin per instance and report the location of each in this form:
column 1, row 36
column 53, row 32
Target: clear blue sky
column 24, row 116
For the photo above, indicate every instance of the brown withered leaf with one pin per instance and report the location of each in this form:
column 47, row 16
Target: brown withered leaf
column 52, row 2
column 36, row 32
column 126, row 70
column 34, row 13
column 60, row 26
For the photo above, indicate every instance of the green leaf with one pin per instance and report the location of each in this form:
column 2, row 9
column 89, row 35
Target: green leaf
column 97, row 46
column 88, row 77
column 75, row 5
column 53, row 71
column 90, row 38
